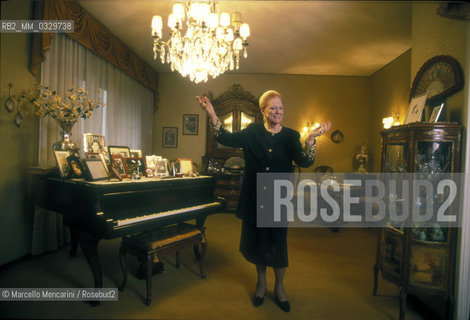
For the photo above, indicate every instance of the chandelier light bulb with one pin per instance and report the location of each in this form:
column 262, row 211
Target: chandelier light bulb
column 238, row 44
column 204, row 10
column 224, row 19
column 157, row 26
column 195, row 11
column 245, row 31
column 178, row 11
column 213, row 21
column 172, row 21
column 229, row 35
column 219, row 33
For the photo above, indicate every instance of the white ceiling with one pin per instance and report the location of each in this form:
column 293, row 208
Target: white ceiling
column 353, row 38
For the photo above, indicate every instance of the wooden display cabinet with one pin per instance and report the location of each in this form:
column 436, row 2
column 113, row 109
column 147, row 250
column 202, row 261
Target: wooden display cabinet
column 236, row 109
column 419, row 259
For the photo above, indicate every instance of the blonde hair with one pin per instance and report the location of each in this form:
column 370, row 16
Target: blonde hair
column 265, row 97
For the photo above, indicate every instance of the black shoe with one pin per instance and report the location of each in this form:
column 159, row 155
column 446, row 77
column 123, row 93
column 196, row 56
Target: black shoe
column 257, row 301
column 284, row 305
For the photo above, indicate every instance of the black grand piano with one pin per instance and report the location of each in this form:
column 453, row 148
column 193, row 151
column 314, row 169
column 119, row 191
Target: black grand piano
column 106, row 210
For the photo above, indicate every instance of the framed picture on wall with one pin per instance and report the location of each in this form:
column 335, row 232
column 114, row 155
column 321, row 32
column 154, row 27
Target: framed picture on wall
column 170, row 137
column 190, row 124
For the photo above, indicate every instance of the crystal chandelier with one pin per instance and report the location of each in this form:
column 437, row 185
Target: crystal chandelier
column 208, row 46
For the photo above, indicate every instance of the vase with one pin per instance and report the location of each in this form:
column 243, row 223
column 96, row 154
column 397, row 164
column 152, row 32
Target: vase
column 65, row 143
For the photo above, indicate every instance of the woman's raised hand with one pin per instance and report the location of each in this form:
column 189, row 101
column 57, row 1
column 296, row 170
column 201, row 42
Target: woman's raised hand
column 206, row 105
column 323, row 128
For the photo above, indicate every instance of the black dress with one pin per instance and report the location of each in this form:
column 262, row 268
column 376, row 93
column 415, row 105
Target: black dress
column 264, row 152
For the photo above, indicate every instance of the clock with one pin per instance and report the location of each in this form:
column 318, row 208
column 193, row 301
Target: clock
column 337, row 136
column 440, row 77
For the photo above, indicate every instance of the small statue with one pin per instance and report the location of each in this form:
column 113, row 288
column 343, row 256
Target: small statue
column 362, row 157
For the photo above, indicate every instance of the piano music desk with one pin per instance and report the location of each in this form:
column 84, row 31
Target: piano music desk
column 148, row 245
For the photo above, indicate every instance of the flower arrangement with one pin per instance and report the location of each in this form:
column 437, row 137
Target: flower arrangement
column 75, row 105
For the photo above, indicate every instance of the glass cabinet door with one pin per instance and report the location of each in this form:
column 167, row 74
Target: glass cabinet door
column 227, row 121
column 433, row 157
column 395, row 157
column 245, row 120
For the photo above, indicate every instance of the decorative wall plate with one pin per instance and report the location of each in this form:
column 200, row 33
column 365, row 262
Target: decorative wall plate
column 441, row 76
column 337, row 136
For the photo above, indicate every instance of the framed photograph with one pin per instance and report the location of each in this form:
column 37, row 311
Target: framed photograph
column 136, row 153
column 170, row 137
column 121, row 150
column 436, row 112
column 61, row 159
column 120, row 165
column 186, row 166
column 99, row 156
column 190, row 124
column 96, row 169
column 161, row 168
column 415, row 109
column 93, row 142
column 135, row 165
column 150, row 161
column 76, row 168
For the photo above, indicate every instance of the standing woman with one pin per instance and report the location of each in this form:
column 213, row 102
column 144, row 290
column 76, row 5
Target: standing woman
column 267, row 148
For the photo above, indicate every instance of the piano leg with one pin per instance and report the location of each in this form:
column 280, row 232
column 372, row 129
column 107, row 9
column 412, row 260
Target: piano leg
column 148, row 279
column 89, row 245
column 122, row 259
column 200, row 224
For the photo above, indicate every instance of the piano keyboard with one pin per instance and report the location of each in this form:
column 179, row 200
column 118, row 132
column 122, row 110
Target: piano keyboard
column 166, row 214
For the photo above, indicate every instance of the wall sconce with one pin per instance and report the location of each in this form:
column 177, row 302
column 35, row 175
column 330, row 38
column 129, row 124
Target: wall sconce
column 311, row 125
column 388, row 122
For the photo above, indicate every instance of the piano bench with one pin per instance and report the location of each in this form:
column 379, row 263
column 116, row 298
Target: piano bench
column 149, row 245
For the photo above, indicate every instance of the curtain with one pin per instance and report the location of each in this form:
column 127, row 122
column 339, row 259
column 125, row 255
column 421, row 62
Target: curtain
column 125, row 120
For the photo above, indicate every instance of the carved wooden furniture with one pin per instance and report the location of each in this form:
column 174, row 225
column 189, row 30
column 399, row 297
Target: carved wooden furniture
column 150, row 246
column 420, row 259
column 236, row 109
column 228, row 186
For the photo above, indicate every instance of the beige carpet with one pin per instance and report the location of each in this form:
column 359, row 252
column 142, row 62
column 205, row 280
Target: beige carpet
column 330, row 277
